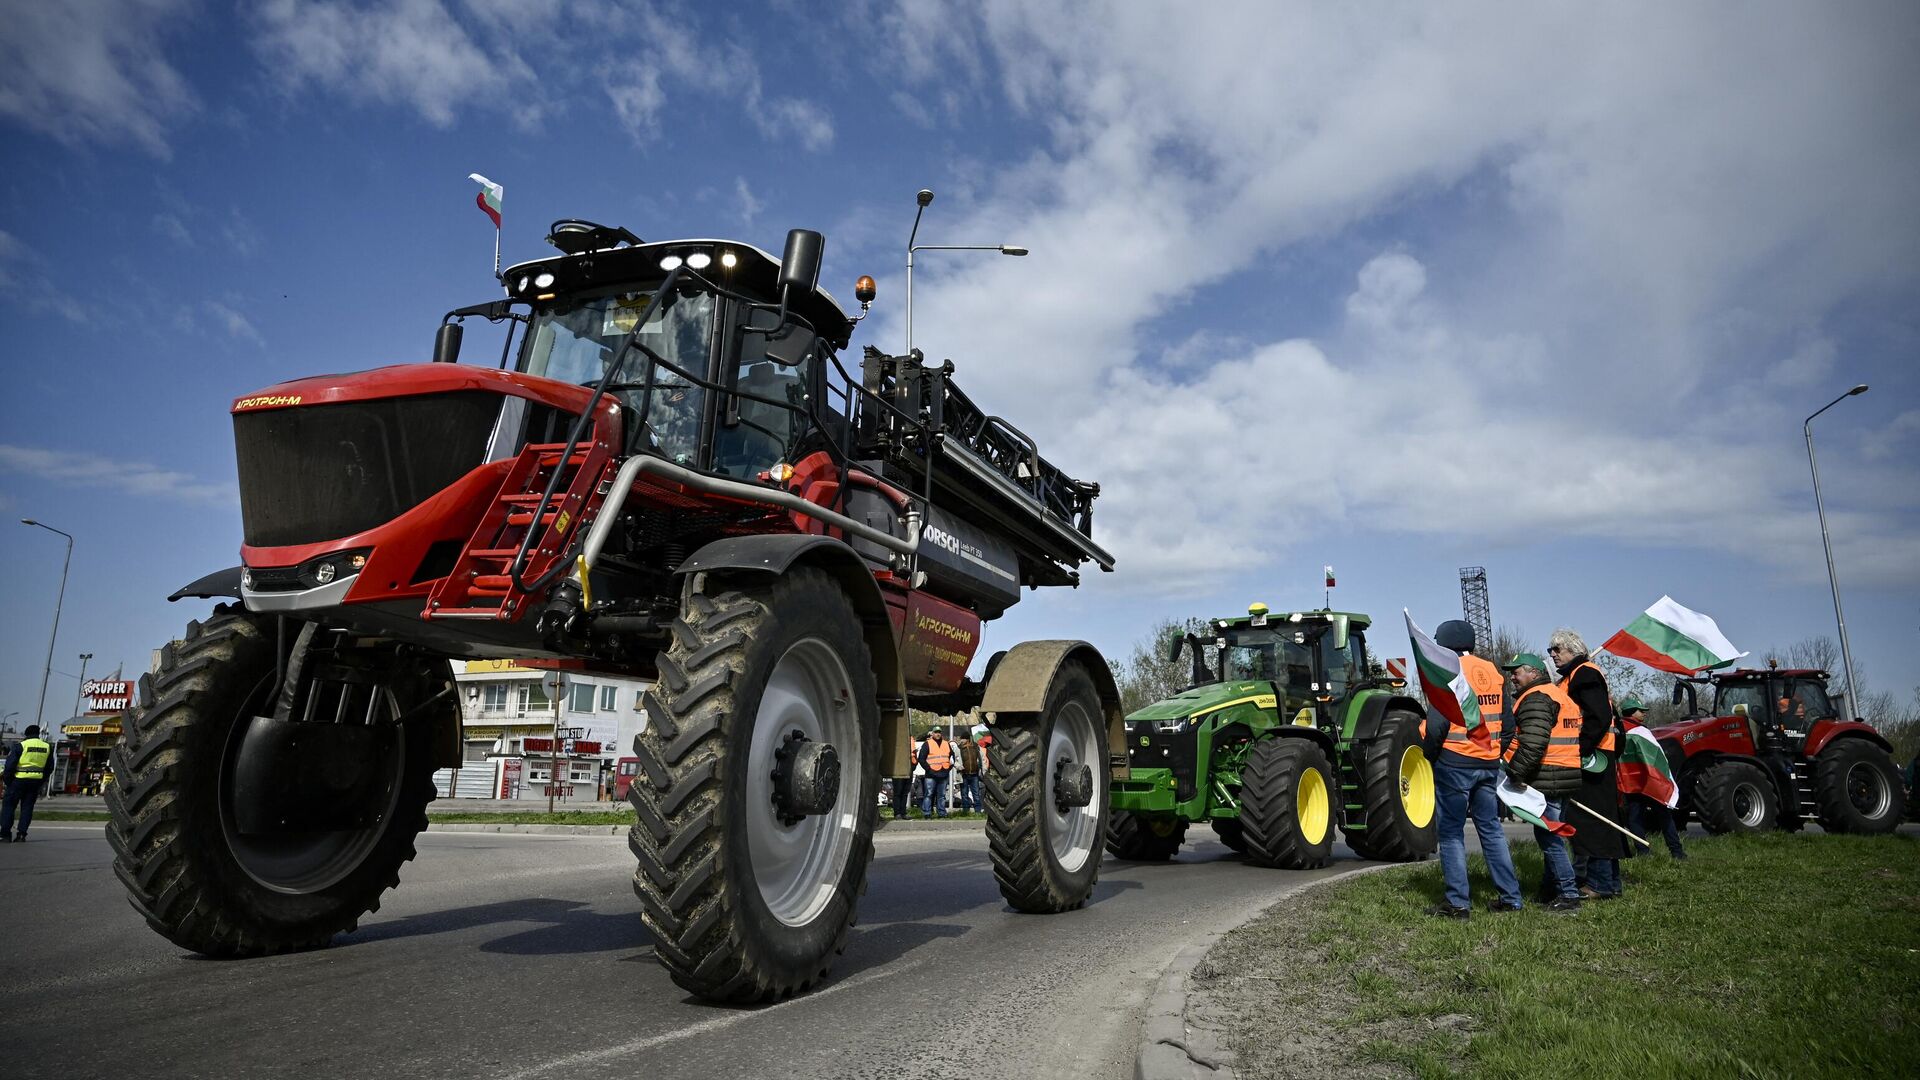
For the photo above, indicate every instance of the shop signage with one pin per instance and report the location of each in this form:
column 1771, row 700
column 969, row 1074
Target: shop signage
column 492, row 667
column 510, row 772
column 107, row 695
column 543, row 744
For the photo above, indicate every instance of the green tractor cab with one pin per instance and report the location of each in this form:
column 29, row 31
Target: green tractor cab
column 1289, row 730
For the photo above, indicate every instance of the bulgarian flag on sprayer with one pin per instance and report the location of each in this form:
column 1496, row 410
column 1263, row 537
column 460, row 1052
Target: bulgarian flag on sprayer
column 1643, row 768
column 1529, row 805
column 1448, row 692
column 1672, row 638
column 490, row 197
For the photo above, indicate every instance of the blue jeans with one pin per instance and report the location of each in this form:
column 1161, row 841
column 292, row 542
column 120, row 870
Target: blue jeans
column 1465, row 792
column 936, row 794
column 969, row 795
column 1640, row 809
column 1603, row 876
column 21, row 794
column 1553, row 849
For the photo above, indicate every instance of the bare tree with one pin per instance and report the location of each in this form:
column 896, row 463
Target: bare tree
column 1507, row 642
column 1817, row 651
column 1147, row 675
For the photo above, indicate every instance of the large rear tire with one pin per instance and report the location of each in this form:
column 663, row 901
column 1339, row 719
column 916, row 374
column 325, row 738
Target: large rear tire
column 1045, row 847
column 745, row 900
column 1732, row 796
column 201, row 879
column 1286, row 804
column 1396, row 786
column 1138, row 838
column 1857, row 789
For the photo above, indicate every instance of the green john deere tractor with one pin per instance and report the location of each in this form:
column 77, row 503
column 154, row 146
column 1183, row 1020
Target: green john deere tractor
column 1289, row 731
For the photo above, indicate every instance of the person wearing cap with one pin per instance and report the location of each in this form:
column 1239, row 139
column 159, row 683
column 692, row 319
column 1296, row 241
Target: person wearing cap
column 1544, row 753
column 936, row 756
column 967, row 752
column 1643, row 814
column 1598, row 843
column 24, row 774
column 1465, row 773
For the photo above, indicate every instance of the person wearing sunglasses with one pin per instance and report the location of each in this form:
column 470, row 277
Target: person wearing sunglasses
column 1597, row 847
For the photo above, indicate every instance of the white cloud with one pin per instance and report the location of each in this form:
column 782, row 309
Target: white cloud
column 750, row 206
column 235, row 324
column 127, row 477
column 93, row 72
column 794, row 117
column 171, row 227
column 24, row 281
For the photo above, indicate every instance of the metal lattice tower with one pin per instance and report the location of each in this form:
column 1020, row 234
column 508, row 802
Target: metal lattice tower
column 1473, row 602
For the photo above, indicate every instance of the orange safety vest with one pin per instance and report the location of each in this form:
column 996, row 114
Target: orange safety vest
column 1606, row 740
column 1483, row 742
column 1563, row 744
column 939, row 754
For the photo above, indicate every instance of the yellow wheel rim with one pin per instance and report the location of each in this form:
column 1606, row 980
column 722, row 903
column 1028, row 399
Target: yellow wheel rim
column 1416, row 787
column 1311, row 808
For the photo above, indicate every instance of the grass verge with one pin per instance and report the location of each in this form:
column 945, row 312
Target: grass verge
column 448, row 817
column 1767, row 955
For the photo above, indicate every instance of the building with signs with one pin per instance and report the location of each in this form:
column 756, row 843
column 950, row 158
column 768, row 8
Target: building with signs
column 80, row 757
column 510, row 721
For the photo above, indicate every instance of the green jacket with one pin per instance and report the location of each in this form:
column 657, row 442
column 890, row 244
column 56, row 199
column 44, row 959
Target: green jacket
column 1531, row 727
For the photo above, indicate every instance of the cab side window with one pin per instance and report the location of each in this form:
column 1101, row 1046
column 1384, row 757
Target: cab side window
column 1337, row 665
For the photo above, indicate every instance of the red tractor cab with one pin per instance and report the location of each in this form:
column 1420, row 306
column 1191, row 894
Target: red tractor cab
column 1774, row 752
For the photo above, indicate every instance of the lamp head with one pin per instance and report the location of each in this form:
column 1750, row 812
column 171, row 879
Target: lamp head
column 1861, row 389
column 924, row 197
column 28, row 521
column 1012, row 249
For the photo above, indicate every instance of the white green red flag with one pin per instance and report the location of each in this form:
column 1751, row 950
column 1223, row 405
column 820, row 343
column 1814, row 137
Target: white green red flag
column 1448, row 692
column 1643, row 768
column 1530, row 806
column 490, row 197
column 1672, row 638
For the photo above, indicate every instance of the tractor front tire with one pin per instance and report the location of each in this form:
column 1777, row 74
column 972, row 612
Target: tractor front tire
column 1139, row 838
column 1286, row 804
column 1231, row 833
column 1857, row 789
column 1046, row 852
column 1396, row 786
column 1734, row 796
column 745, row 901
column 197, row 878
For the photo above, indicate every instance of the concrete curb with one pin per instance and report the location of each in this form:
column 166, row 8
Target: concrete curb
column 510, row 827
column 1172, row 1047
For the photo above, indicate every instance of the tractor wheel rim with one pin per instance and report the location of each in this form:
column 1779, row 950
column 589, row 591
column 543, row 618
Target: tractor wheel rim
column 1416, row 787
column 1073, row 741
column 1310, row 807
column 798, row 867
column 1748, row 806
column 1867, row 790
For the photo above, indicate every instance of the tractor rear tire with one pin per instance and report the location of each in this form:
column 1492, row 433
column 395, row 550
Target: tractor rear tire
column 1046, row 855
column 1231, row 833
column 1735, row 796
column 745, row 901
column 1286, row 804
column 1139, row 838
column 1857, row 789
column 1396, row 786
column 200, row 881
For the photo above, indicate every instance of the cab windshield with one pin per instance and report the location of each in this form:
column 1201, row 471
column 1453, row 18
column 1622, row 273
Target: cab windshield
column 574, row 341
column 1265, row 653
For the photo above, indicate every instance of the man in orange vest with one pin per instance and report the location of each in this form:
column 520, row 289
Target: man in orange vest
column 936, row 756
column 1465, row 774
column 1599, row 845
column 1544, row 753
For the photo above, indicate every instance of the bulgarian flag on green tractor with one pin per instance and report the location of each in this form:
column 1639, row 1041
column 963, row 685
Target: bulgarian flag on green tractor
column 1643, row 768
column 491, row 197
column 1672, row 638
column 1448, row 692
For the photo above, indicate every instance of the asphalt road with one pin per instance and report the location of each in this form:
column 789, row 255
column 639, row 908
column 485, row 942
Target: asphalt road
column 520, row 956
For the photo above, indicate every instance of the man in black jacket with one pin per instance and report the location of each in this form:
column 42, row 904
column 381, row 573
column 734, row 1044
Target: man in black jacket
column 1599, row 843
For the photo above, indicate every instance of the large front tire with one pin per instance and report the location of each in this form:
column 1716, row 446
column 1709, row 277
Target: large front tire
column 1396, row 785
column 1045, row 845
column 746, row 900
column 1286, row 805
column 1857, row 788
column 200, row 878
column 1139, row 838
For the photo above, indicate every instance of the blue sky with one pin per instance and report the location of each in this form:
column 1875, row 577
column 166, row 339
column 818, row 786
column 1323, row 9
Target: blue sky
column 1396, row 288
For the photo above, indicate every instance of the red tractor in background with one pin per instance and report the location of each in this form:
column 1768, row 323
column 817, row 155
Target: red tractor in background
column 669, row 476
column 1773, row 752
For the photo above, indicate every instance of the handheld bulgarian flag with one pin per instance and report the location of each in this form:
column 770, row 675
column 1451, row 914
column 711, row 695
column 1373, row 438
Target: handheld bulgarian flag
column 490, row 197
column 1644, row 770
column 1671, row 638
column 1448, row 692
column 1529, row 806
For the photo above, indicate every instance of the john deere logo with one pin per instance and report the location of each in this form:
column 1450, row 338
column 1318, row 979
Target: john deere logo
column 1145, row 741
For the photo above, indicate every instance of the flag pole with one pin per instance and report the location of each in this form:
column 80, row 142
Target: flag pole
column 1609, row 824
column 496, row 253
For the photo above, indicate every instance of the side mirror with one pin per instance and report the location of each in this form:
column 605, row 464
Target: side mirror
column 800, row 264
column 1174, row 642
column 446, row 343
column 1340, row 630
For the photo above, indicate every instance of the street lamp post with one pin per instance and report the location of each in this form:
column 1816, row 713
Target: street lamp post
column 40, row 710
column 81, row 690
column 1833, row 580
column 924, row 198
